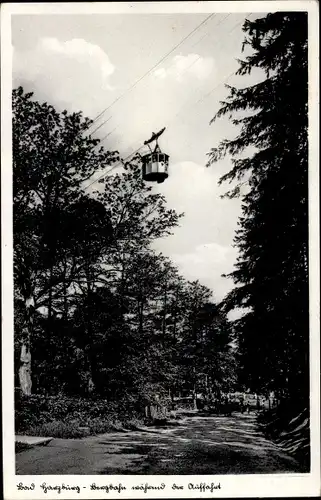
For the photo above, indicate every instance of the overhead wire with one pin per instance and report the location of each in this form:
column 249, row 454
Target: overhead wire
column 137, row 150
column 185, row 70
column 104, row 174
column 100, row 125
column 198, row 58
column 107, row 135
column 175, row 117
column 226, row 78
column 152, row 68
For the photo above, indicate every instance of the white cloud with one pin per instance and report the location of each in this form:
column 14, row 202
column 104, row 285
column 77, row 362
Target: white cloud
column 160, row 72
column 77, row 74
column 193, row 189
column 74, row 73
column 82, row 51
column 192, row 64
column 202, row 246
column 207, row 263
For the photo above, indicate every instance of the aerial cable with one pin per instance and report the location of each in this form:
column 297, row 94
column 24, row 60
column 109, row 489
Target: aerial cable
column 107, row 135
column 197, row 42
column 171, row 122
column 185, row 70
column 226, row 78
column 100, row 125
column 194, row 45
column 175, row 117
column 202, row 98
column 113, row 167
column 214, row 88
column 105, row 174
column 153, row 67
column 207, row 33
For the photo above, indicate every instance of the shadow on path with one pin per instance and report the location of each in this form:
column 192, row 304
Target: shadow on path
column 198, row 445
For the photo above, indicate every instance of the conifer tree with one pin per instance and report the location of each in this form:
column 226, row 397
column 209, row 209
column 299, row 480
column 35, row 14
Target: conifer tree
column 270, row 156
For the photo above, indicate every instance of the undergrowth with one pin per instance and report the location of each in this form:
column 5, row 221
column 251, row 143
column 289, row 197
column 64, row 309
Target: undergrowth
column 66, row 417
column 289, row 426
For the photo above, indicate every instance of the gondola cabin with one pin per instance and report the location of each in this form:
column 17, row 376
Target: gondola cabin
column 155, row 163
column 155, row 166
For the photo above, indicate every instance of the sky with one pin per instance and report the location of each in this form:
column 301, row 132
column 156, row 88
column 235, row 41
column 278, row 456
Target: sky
column 87, row 62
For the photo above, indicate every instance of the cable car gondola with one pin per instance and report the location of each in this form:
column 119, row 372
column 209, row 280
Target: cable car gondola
column 155, row 163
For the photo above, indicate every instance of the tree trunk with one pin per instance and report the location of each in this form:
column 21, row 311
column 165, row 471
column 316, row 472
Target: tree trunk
column 210, row 395
column 141, row 315
column 90, row 382
column 194, row 397
column 165, row 312
column 50, row 295
column 207, row 392
column 194, row 390
column 65, row 298
column 122, row 284
column 25, row 372
column 90, row 377
column 175, row 314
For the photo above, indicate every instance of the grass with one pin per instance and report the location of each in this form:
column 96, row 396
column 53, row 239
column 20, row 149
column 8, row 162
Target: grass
column 56, row 429
column 74, row 429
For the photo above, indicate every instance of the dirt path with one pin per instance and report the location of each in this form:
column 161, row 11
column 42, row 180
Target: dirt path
column 199, row 445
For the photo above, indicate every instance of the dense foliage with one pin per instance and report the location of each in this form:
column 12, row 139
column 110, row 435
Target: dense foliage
column 270, row 171
column 97, row 312
column 73, row 416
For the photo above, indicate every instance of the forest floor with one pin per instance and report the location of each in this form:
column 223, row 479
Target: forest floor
column 196, row 445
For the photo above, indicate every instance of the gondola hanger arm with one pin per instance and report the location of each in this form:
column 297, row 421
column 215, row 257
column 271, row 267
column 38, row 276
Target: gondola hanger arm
column 155, row 136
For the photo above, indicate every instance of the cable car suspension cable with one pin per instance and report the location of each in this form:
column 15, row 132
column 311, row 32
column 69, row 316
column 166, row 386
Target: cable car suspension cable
column 212, row 90
column 152, row 68
column 198, row 41
column 119, row 163
column 100, row 126
column 195, row 61
column 137, row 150
column 175, row 117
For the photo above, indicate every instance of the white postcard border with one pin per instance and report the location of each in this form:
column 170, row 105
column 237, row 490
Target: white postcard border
column 266, row 485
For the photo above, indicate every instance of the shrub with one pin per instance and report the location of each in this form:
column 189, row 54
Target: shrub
column 61, row 416
column 132, row 424
column 56, row 429
column 99, row 426
column 289, row 426
column 38, row 410
column 73, row 429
